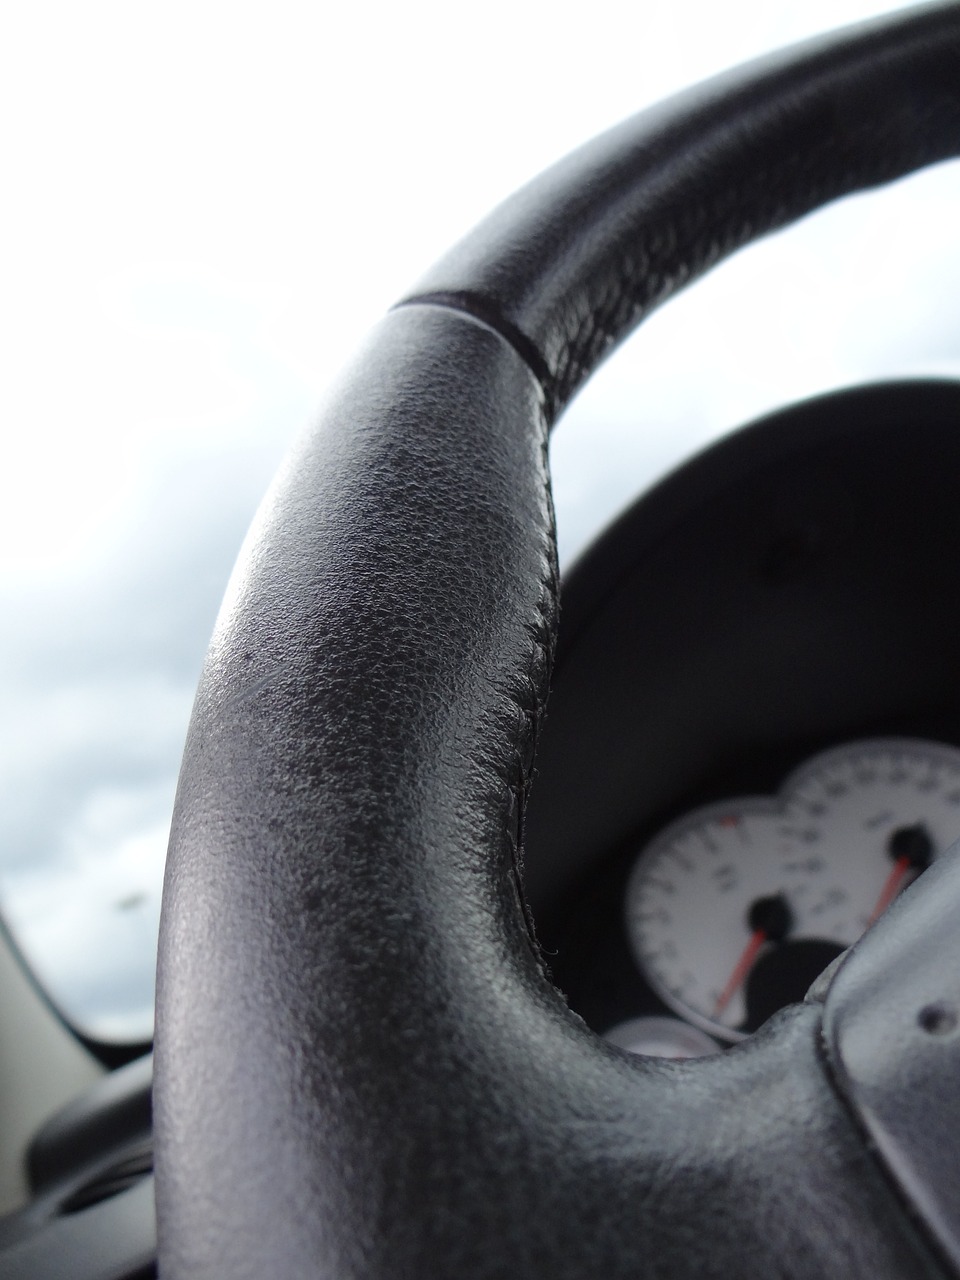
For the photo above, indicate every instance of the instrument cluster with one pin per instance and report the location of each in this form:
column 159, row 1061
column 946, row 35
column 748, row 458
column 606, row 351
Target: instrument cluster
column 735, row 908
column 752, row 743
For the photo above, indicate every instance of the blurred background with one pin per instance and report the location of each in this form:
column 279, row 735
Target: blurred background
column 206, row 206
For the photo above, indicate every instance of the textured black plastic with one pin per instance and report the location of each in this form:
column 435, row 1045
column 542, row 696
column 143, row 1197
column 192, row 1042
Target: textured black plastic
column 112, row 1240
column 792, row 587
column 361, row 1069
column 115, row 1114
column 892, row 1029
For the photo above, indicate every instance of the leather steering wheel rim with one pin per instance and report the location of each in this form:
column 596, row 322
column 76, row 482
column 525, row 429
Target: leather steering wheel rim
column 361, row 1066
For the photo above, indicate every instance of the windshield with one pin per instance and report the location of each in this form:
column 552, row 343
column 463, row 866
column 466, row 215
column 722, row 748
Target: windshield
column 206, row 209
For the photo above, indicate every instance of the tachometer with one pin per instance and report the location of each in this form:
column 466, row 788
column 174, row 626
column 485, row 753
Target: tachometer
column 734, row 910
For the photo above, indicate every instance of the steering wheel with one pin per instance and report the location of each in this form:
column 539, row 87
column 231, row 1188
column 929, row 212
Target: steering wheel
column 362, row 1069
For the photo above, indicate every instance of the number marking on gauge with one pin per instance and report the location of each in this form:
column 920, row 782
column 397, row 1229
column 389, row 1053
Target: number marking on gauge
column 849, row 831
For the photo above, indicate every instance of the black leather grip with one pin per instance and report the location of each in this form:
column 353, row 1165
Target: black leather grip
column 567, row 266
column 361, row 1070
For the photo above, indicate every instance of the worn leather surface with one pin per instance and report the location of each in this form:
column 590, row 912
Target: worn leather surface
column 361, row 1069
column 572, row 262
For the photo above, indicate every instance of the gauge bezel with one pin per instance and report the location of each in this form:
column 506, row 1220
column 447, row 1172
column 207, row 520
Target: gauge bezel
column 740, row 806
column 782, row 806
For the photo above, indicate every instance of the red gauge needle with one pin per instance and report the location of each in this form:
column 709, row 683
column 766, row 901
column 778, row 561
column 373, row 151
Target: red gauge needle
column 911, row 849
column 740, row 970
column 894, row 882
column 769, row 920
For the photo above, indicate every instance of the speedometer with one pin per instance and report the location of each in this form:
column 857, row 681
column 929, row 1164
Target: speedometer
column 733, row 910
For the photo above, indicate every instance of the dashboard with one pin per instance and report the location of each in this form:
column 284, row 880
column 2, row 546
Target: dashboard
column 752, row 745
column 753, row 739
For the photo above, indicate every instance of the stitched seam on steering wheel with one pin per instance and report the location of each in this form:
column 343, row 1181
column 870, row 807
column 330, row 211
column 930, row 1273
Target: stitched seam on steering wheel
column 483, row 309
column 538, row 667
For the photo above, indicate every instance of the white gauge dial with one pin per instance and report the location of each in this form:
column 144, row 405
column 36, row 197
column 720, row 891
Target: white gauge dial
column 886, row 808
column 690, row 895
column 734, row 909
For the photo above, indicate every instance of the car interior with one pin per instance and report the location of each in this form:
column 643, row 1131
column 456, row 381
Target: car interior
column 649, row 977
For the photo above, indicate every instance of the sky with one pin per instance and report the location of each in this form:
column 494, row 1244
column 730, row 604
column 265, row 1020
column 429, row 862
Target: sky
column 207, row 205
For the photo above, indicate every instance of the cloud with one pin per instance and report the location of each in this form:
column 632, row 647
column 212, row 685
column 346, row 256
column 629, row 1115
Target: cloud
column 89, row 919
column 183, row 273
column 100, row 665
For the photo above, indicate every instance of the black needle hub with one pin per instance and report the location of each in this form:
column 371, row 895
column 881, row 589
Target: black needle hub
column 912, row 843
column 772, row 916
